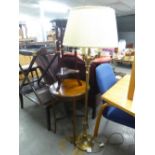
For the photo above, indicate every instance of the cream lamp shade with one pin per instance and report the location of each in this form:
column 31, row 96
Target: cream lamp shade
column 91, row 27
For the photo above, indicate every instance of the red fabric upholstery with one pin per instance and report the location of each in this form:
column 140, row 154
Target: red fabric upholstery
column 102, row 59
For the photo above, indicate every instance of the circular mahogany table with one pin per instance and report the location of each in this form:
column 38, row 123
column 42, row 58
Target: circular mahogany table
column 70, row 91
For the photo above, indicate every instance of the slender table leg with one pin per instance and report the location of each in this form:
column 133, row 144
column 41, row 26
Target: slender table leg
column 74, row 121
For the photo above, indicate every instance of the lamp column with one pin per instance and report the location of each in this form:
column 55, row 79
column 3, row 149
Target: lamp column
column 84, row 141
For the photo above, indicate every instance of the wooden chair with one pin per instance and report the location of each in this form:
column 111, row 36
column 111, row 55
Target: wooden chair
column 37, row 90
column 42, row 97
column 57, row 70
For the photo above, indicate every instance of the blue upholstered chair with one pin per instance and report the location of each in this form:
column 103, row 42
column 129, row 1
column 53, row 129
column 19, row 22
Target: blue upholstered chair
column 105, row 79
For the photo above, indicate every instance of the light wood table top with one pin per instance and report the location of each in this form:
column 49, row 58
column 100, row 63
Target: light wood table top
column 117, row 96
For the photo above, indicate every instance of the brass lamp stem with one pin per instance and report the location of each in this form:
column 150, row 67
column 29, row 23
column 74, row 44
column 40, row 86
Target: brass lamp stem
column 87, row 65
column 86, row 141
column 85, row 121
column 87, row 59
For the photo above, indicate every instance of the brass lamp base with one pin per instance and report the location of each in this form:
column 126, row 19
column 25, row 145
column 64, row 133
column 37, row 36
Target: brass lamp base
column 89, row 144
column 86, row 142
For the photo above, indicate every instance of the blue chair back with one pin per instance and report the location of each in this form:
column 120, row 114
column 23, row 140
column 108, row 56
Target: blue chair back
column 105, row 77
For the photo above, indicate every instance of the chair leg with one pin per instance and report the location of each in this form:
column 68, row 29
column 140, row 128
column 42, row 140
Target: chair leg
column 21, row 100
column 54, row 117
column 48, row 118
column 102, row 108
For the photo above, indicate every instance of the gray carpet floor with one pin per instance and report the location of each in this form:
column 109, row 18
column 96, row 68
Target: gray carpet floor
column 35, row 139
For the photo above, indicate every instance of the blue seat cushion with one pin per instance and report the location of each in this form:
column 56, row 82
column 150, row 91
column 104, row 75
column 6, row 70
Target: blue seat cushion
column 119, row 116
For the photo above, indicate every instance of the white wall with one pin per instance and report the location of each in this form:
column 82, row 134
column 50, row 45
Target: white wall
column 36, row 27
column 38, row 20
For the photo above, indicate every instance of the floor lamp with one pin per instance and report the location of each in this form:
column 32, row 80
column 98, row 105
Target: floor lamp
column 90, row 27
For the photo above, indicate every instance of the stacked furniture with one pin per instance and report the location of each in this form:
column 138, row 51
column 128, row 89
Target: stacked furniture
column 36, row 90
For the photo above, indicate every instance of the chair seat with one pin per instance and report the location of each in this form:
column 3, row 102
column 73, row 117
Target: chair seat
column 64, row 72
column 119, row 116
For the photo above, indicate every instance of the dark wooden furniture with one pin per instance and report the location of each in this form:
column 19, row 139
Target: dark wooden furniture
column 57, row 70
column 70, row 91
column 36, row 90
column 73, row 61
column 59, row 25
column 65, row 73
